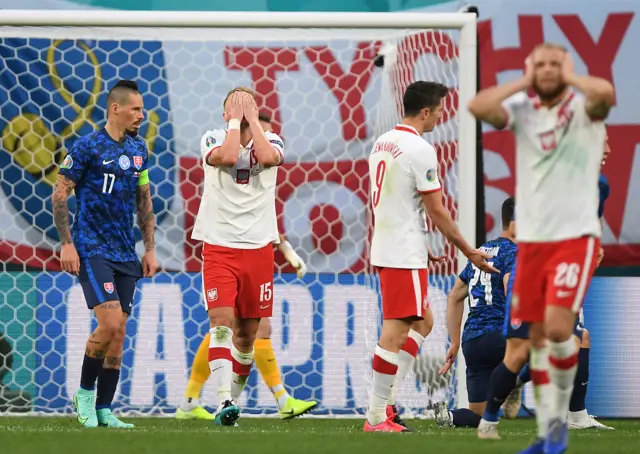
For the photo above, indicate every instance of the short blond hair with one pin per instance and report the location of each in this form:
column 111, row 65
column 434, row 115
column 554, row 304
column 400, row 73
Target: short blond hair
column 550, row 46
column 237, row 89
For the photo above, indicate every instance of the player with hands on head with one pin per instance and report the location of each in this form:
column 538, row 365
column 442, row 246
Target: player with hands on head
column 518, row 333
column 237, row 223
column 264, row 355
column 403, row 170
column 559, row 136
column 108, row 170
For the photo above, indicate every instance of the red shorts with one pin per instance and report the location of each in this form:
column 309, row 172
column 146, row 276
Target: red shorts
column 239, row 278
column 552, row 274
column 404, row 293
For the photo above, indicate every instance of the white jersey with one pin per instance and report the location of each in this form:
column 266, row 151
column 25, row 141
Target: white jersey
column 558, row 157
column 238, row 206
column 402, row 165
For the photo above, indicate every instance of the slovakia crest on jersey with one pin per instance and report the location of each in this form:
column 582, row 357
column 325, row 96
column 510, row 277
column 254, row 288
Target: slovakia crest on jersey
column 108, row 287
column 212, row 294
column 516, row 323
column 137, row 162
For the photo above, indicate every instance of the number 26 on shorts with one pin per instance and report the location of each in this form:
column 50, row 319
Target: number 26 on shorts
column 567, row 275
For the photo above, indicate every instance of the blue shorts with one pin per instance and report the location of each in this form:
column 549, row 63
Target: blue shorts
column 103, row 280
column 482, row 355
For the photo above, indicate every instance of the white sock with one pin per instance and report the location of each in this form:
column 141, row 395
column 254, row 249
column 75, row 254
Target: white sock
column 539, row 363
column 283, row 398
column 394, row 388
column 241, row 370
column 563, row 365
column 578, row 416
column 220, row 361
column 385, row 368
column 406, row 358
column 188, row 403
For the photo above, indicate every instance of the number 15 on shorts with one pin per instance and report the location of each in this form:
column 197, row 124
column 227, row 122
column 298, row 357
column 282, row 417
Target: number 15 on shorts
column 266, row 294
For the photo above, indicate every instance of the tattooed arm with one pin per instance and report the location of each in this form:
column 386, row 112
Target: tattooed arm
column 68, row 255
column 146, row 222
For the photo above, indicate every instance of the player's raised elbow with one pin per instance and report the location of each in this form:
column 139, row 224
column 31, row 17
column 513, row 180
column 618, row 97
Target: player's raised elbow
column 495, row 115
column 604, row 93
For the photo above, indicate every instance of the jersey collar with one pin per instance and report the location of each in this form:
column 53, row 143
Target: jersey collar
column 562, row 104
column 407, row 128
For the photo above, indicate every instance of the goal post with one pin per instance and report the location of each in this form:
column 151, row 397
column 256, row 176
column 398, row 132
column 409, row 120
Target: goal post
column 315, row 75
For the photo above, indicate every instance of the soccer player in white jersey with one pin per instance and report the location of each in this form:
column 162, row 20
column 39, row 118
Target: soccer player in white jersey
column 237, row 223
column 559, row 135
column 403, row 170
column 264, row 356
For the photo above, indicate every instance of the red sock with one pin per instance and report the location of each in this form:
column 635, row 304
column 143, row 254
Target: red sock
column 241, row 370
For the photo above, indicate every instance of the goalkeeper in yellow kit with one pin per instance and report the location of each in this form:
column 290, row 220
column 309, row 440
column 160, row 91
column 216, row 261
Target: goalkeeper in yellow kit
column 264, row 355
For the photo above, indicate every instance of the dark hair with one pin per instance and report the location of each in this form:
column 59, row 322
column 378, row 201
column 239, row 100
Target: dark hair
column 508, row 212
column 422, row 95
column 120, row 91
column 264, row 117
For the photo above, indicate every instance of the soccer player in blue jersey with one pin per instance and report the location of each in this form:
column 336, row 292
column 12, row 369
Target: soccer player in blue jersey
column 483, row 345
column 108, row 170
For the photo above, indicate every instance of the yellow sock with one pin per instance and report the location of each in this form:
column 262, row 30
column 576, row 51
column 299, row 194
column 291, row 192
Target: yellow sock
column 199, row 371
column 266, row 363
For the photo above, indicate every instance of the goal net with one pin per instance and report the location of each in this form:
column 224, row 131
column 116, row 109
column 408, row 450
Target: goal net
column 331, row 84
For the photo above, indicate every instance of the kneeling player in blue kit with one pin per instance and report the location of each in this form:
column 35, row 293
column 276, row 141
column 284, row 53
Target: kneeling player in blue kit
column 483, row 344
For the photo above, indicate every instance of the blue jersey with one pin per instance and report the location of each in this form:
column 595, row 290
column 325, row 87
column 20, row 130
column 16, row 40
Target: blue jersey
column 106, row 174
column 487, row 299
column 603, row 186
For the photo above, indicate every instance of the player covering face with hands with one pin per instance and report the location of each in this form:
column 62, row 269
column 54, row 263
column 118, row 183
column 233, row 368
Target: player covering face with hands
column 237, row 223
column 404, row 176
column 559, row 136
column 264, row 355
column 108, row 170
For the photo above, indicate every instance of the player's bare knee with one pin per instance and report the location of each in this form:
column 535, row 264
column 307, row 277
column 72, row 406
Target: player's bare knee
column 425, row 325
column 264, row 329
column 517, row 354
column 118, row 338
column 110, row 318
column 219, row 317
column 559, row 323
column 536, row 335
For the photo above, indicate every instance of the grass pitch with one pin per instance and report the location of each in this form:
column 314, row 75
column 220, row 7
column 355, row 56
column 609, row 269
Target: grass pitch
column 35, row 435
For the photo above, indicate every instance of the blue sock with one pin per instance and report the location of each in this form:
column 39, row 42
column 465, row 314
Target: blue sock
column 525, row 375
column 501, row 383
column 91, row 368
column 579, row 395
column 463, row 417
column 107, row 385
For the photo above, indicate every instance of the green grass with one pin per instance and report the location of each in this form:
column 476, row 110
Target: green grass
column 265, row 436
